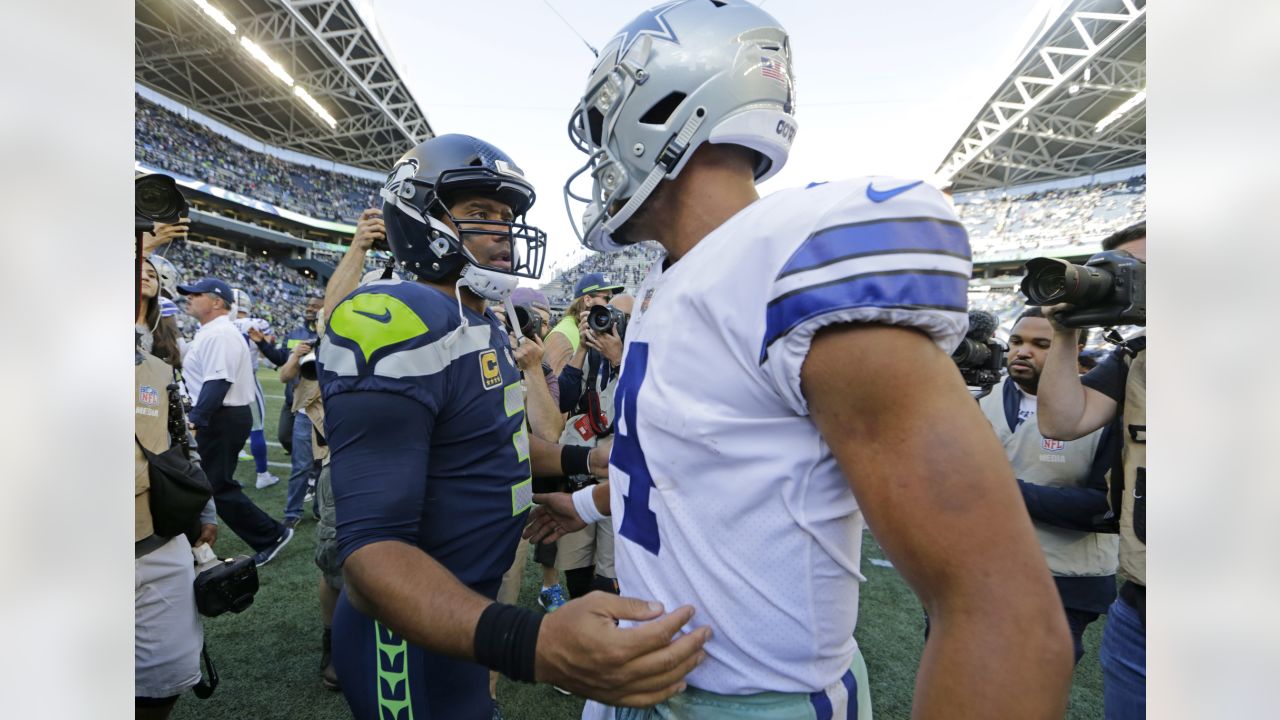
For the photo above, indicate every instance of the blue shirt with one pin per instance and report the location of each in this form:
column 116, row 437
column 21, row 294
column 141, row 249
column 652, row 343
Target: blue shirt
column 425, row 421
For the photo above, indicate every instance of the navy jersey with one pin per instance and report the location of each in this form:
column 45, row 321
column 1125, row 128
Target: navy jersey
column 425, row 422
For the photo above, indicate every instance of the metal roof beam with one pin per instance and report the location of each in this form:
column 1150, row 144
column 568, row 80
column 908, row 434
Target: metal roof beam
column 1081, row 36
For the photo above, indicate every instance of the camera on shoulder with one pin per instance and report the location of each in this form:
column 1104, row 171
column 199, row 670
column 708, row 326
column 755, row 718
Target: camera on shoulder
column 1109, row 289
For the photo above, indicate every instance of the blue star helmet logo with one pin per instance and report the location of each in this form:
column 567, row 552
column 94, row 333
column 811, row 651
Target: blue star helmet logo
column 649, row 22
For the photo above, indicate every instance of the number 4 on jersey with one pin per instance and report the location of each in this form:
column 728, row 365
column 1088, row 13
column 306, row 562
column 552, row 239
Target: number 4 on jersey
column 639, row 523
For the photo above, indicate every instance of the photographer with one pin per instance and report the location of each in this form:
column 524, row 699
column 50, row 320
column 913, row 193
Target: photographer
column 587, row 384
column 1063, row 483
column 1071, row 407
column 167, row 631
column 563, row 341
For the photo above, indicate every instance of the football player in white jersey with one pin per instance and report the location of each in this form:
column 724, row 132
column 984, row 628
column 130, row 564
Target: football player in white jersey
column 257, row 436
column 786, row 374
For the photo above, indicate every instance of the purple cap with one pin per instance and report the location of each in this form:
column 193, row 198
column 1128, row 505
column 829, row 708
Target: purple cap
column 529, row 296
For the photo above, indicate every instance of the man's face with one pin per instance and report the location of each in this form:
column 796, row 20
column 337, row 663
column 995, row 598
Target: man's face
column 1028, row 347
column 546, row 320
column 601, row 298
column 1136, row 248
column 478, row 225
column 200, row 305
column 312, row 310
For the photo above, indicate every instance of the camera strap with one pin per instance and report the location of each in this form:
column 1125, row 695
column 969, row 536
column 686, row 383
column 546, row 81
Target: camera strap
column 209, row 682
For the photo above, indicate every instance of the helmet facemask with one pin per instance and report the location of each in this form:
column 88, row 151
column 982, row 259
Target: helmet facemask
column 421, row 209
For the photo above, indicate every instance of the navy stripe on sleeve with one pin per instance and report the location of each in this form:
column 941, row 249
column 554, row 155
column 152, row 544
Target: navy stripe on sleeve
column 897, row 289
column 878, row 237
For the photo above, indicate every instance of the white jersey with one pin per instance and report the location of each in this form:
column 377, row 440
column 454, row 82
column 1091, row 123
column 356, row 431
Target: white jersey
column 243, row 325
column 724, row 495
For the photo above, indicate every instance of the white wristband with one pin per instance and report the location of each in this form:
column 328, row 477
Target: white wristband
column 585, row 503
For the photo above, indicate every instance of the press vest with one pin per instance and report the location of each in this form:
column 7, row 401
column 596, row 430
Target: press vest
column 1055, row 463
column 569, row 326
column 151, row 424
column 1133, row 509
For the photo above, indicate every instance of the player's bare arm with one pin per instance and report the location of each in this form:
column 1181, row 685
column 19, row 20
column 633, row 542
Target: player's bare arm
column 1067, row 410
column 941, row 499
column 580, row 647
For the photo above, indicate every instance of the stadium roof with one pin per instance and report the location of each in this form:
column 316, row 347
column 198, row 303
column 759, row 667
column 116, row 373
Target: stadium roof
column 1074, row 105
column 273, row 68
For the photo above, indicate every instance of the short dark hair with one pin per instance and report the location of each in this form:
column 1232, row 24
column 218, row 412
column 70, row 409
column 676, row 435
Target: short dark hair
column 1136, row 231
column 1034, row 311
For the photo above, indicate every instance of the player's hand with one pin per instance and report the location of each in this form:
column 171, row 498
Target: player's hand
column 208, row 534
column 598, row 459
column 607, row 344
column 552, row 517
column 256, row 335
column 582, row 649
column 369, row 228
column 301, row 349
column 527, row 354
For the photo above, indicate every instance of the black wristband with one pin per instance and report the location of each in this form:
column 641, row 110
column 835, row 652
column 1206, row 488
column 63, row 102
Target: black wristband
column 574, row 460
column 507, row 640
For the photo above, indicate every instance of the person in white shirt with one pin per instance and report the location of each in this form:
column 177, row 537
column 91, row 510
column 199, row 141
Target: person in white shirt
column 218, row 374
column 786, row 382
column 257, row 435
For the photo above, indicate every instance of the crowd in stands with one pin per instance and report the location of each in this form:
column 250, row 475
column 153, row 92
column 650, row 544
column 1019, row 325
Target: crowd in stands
column 279, row 293
column 171, row 142
column 1042, row 221
column 627, row 267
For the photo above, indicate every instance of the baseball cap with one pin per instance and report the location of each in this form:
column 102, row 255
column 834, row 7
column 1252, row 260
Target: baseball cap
column 209, row 285
column 529, row 296
column 592, row 282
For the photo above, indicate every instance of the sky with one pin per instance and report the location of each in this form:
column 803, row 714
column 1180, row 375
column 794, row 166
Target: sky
column 883, row 88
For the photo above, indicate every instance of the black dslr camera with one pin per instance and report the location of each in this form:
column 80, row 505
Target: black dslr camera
column 1109, row 289
column 604, row 318
column 529, row 320
column 156, row 198
column 227, row 586
column 980, row 356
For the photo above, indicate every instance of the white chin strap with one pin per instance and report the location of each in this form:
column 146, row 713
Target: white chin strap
column 489, row 284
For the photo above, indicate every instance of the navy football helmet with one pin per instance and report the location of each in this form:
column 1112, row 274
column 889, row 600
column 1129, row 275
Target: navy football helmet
column 422, row 187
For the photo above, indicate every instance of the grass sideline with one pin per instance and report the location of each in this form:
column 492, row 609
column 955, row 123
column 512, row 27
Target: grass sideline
column 268, row 656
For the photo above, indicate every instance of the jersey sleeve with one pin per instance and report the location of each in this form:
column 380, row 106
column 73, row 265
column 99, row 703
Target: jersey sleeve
column 393, row 338
column 383, row 371
column 901, row 260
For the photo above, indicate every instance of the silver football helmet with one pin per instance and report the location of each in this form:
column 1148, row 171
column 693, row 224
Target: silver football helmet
column 679, row 75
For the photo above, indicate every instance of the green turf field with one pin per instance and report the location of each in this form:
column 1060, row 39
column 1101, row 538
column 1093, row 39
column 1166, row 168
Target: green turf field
column 268, row 657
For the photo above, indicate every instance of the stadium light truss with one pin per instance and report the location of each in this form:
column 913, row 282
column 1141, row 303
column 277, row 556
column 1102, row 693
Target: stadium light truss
column 271, row 64
column 183, row 51
column 216, row 15
column 1138, row 98
column 1046, row 120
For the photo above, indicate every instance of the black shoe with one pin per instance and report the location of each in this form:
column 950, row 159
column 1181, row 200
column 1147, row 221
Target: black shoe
column 269, row 554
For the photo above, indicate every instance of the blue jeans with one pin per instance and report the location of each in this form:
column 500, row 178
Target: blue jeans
column 301, row 471
column 1124, row 663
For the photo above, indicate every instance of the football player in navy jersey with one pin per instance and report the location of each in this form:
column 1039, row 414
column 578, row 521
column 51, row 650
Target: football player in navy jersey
column 430, row 468
column 787, row 372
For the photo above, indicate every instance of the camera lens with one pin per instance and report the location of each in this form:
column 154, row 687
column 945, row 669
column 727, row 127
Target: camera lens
column 600, row 319
column 156, row 197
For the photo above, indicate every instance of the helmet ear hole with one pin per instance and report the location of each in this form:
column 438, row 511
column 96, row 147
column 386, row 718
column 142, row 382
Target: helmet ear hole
column 662, row 110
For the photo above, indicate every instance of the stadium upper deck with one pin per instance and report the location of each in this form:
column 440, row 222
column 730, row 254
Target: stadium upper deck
column 305, row 75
